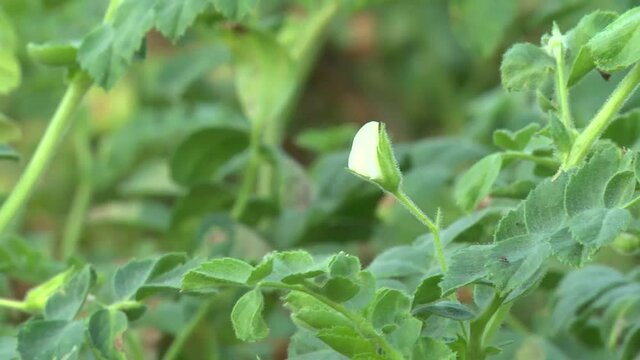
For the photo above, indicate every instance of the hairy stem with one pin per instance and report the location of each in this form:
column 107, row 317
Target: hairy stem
column 46, row 149
column 423, row 218
column 599, row 123
column 562, row 90
column 363, row 326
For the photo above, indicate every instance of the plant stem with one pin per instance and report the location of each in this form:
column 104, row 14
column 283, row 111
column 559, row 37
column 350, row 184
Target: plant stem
column 13, row 304
column 543, row 161
column 82, row 196
column 363, row 326
column 599, row 123
column 479, row 333
column 562, row 90
column 423, row 218
column 46, row 149
column 250, row 174
column 183, row 336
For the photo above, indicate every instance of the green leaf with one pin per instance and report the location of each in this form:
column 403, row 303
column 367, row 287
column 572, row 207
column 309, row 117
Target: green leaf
column 50, row 339
column 38, row 296
column 559, row 133
column 148, row 215
column 10, row 73
column 130, row 280
column 8, row 347
column 200, row 156
column 326, row 140
column 340, row 289
column 476, row 183
column 428, row 291
column 304, row 345
column 68, row 300
column 516, row 141
column 581, row 60
column 469, row 23
column 246, row 317
column 174, row 17
column 388, row 307
column 105, row 330
column 525, row 67
column 308, row 312
column 617, row 46
column 106, row 52
column 446, row 309
column 235, row 9
column 264, row 75
column 295, row 266
column 566, row 217
column 431, row 349
column 345, row 265
column 347, row 341
column 217, row 272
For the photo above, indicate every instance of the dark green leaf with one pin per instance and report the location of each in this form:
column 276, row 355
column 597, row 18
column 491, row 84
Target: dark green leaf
column 50, row 339
column 133, row 277
column 217, row 272
column 200, row 156
column 8, row 348
column 340, row 289
column 235, row 9
column 105, row 330
column 347, row 341
column 428, row 291
column 447, row 309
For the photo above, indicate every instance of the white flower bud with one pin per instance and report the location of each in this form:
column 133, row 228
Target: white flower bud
column 372, row 158
column 363, row 159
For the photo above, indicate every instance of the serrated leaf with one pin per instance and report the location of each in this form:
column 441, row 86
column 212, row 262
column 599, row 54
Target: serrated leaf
column 105, row 330
column 388, row 307
column 340, row 289
column 344, row 265
column 199, row 157
column 217, row 272
column 619, row 189
column 525, row 67
column 130, row 280
column 304, row 345
column 235, row 9
column 597, row 227
column 431, row 349
column 174, row 17
column 295, row 266
column 247, row 319
column 68, row 300
column 446, row 309
column 516, row 141
column 476, row 183
column 428, row 291
column 50, row 339
column 617, row 46
column 106, row 52
column 582, row 61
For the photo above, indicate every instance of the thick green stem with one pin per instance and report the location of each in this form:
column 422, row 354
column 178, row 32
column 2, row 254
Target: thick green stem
column 13, row 304
column 363, row 326
column 599, row 123
column 423, row 218
column 46, row 148
column 482, row 329
column 179, row 342
column 82, row 197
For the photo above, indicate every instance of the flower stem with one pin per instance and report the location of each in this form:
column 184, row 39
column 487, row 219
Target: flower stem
column 599, row 123
column 46, row 149
column 562, row 90
column 13, row 304
column 362, row 325
column 423, row 218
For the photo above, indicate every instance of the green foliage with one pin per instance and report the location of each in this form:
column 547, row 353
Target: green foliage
column 525, row 67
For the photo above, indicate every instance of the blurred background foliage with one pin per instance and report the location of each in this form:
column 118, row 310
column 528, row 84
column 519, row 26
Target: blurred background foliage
column 145, row 159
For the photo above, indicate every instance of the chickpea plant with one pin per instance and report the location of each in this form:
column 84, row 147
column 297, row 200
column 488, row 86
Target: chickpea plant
column 409, row 302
